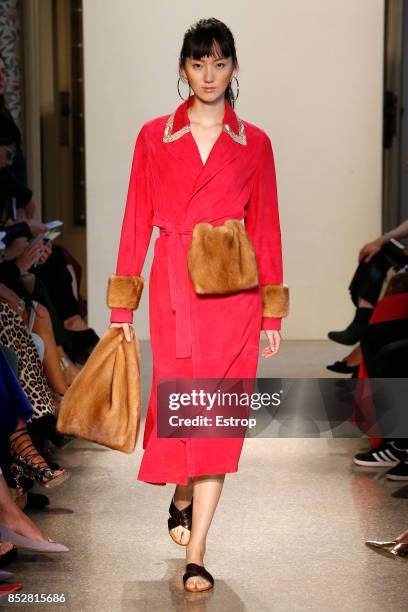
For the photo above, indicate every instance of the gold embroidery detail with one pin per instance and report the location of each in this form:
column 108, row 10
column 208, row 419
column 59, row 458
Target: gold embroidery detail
column 169, row 137
column 241, row 136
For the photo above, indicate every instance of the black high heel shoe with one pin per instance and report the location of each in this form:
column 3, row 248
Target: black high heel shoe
column 179, row 517
column 342, row 368
column 22, row 452
column 352, row 333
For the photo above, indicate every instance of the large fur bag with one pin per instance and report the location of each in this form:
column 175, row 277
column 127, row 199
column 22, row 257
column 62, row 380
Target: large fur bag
column 222, row 259
column 103, row 404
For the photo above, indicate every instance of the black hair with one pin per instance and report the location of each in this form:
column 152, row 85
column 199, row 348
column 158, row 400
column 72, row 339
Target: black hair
column 207, row 37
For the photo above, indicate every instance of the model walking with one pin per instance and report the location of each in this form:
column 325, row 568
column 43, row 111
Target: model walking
column 201, row 163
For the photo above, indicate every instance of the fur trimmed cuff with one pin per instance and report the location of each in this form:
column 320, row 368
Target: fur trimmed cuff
column 275, row 300
column 124, row 291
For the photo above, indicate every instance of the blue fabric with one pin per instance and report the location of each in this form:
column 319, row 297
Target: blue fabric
column 13, row 405
column 14, row 402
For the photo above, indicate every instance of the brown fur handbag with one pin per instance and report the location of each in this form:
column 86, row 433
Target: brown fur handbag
column 222, row 259
column 103, row 403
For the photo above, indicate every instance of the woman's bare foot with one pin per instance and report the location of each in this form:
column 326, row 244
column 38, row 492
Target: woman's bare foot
column 403, row 537
column 182, row 499
column 5, row 547
column 21, row 445
column 353, row 358
column 195, row 554
column 19, row 522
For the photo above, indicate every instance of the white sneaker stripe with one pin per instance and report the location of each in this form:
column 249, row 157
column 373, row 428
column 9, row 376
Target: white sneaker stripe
column 390, row 454
column 378, row 458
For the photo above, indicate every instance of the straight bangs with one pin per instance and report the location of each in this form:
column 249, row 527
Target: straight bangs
column 207, row 44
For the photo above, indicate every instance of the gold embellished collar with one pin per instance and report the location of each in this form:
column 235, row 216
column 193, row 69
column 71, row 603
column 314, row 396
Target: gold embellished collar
column 178, row 123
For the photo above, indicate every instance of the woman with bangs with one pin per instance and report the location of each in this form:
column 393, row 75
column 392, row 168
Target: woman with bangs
column 201, row 164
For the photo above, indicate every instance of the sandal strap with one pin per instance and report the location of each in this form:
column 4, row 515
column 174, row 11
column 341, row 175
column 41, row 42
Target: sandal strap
column 182, row 517
column 19, row 449
column 173, row 508
column 193, row 569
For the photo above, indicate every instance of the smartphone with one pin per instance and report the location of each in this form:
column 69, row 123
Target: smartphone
column 51, row 235
column 53, row 224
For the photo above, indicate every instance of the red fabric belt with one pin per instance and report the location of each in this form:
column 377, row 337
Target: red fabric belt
column 178, row 281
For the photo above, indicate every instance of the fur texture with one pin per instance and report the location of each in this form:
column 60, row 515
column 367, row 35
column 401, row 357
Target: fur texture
column 222, row 259
column 103, row 404
column 124, row 291
column 275, row 300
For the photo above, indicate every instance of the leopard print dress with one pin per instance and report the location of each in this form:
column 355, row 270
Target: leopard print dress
column 15, row 335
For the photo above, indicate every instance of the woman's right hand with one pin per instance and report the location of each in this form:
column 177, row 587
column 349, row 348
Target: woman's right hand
column 29, row 256
column 127, row 329
column 370, row 249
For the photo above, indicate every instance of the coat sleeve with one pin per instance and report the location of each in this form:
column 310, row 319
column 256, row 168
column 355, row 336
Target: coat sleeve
column 263, row 228
column 125, row 287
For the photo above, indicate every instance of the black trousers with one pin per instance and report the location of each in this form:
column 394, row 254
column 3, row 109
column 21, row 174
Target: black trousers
column 369, row 277
column 375, row 339
column 56, row 277
column 378, row 335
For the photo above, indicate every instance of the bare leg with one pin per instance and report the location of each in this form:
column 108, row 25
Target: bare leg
column 354, row 358
column 206, row 492
column 43, row 327
column 12, row 517
column 75, row 323
column 182, row 499
column 364, row 304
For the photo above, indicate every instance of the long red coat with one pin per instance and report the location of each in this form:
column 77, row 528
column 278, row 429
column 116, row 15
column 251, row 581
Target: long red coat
column 193, row 336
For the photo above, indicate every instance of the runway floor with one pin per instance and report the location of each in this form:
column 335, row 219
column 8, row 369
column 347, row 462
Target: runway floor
column 288, row 533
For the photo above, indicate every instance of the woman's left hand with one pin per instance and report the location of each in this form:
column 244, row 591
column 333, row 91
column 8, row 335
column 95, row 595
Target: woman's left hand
column 274, row 339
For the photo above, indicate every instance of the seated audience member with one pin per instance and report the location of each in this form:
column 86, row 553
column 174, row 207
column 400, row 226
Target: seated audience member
column 42, row 426
column 388, row 325
column 16, row 208
column 375, row 260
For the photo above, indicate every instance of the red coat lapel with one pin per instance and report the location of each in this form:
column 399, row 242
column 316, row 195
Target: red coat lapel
column 181, row 144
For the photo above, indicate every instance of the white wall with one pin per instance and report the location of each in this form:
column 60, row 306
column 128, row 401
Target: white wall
column 310, row 74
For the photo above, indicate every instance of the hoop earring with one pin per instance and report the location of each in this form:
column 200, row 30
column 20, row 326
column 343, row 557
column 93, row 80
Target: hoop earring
column 178, row 89
column 235, row 98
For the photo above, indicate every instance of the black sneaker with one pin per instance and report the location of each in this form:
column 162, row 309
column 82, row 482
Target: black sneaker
column 399, row 472
column 383, row 455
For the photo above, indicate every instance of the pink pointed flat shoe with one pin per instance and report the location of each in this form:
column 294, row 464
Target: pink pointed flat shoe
column 20, row 541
